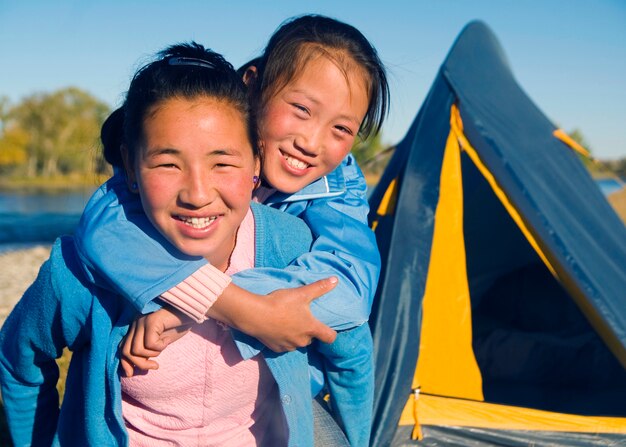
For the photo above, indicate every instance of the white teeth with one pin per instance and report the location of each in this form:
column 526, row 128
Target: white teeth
column 198, row 222
column 295, row 163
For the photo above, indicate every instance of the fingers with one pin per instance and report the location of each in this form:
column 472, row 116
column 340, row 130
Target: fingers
column 168, row 337
column 318, row 288
column 324, row 333
column 128, row 369
column 128, row 360
column 138, row 347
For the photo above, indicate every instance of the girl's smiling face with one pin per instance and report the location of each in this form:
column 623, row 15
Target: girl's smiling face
column 308, row 127
column 195, row 172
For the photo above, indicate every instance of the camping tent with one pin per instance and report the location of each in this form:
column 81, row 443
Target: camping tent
column 501, row 311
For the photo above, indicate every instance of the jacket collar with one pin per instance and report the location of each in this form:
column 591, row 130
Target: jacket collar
column 331, row 185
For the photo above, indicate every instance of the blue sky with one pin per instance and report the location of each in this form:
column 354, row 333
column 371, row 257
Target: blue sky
column 568, row 55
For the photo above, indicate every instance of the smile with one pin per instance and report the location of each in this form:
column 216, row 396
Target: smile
column 295, row 163
column 197, row 222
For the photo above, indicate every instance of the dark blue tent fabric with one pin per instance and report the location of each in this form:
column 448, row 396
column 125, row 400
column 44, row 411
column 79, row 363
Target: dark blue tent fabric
column 564, row 209
column 405, row 241
column 559, row 202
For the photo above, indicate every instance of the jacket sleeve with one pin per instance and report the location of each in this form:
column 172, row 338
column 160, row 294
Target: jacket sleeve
column 349, row 374
column 33, row 336
column 343, row 246
column 123, row 252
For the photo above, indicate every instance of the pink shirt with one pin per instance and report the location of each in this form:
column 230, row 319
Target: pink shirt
column 204, row 393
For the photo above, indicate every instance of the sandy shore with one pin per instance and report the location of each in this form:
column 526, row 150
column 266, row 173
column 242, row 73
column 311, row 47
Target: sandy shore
column 618, row 201
column 18, row 269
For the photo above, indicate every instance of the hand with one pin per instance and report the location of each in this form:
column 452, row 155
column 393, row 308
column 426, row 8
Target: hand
column 149, row 335
column 283, row 321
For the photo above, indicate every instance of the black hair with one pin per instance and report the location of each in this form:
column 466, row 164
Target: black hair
column 297, row 39
column 180, row 71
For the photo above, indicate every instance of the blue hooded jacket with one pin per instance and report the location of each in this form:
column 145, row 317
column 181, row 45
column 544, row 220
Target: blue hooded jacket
column 334, row 208
column 62, row 309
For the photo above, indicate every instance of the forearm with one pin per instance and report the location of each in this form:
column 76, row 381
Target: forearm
column 238, row 308
column 340, row 308
column 32, row 410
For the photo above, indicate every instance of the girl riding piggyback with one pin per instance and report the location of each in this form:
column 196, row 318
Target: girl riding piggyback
column 318, row 84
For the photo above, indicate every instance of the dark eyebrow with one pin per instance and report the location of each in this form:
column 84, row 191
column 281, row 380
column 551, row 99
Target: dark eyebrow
column 226, row 151
column 306, row 95
column 161, row 151
column 229, row 152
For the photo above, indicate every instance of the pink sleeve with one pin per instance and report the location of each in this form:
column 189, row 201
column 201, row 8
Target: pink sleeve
column 196, row 294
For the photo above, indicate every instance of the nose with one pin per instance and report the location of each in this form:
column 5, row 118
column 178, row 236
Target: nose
column 198, row 189
column 309, row 141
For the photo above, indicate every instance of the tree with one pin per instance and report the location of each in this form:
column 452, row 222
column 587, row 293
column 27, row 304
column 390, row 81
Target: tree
column 62, row 129
column 12, row 144
column 578, row 137
column 371, row 155
column 4, row 107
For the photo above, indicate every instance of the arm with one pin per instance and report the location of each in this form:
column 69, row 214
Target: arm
column 343, row 246
column 340, row 223
column 32, row 337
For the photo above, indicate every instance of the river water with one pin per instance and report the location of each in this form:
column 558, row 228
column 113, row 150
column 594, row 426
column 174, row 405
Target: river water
column 37, row 217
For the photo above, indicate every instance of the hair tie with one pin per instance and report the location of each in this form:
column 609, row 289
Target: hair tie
column 193, row 61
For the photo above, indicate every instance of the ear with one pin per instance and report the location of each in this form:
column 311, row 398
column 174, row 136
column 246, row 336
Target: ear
column 250, row 75
column 131, row 179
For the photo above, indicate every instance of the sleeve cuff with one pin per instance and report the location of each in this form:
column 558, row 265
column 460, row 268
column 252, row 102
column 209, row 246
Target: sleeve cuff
column 197, row 293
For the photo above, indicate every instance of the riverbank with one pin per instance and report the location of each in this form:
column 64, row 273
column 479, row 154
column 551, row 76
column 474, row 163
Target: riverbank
column 19, row 266
column 618, row 202
column 53, row 184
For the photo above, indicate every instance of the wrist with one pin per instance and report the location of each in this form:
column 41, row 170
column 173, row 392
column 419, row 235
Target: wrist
column 238, row 308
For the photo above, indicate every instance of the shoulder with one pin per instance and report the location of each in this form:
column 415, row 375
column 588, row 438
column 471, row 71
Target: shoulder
column 58, row 291
column 64, row 272
column 352, row 175
column 266, row 216
column 347, row 178
column 280, row 237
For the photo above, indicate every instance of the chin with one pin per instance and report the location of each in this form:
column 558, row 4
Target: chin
column 289, row 186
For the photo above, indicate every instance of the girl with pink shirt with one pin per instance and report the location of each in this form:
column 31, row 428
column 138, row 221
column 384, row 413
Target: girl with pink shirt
column 318, row 84
column 188, row 152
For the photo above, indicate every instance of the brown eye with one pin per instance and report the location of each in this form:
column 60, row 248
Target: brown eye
column 301, row 108
column 345, row 130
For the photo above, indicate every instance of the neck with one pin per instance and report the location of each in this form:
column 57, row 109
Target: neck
column 221, row 260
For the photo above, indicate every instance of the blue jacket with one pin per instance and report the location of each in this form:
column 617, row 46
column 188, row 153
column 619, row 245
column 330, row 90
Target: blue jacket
column 335, row 209
column 62, row 309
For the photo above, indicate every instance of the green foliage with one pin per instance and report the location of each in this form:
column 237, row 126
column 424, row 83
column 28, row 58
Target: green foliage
column 599, row 168
column 617, row 167
column 13, row 147
column 578, row 137
column 51, row 134
column 371, row 155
